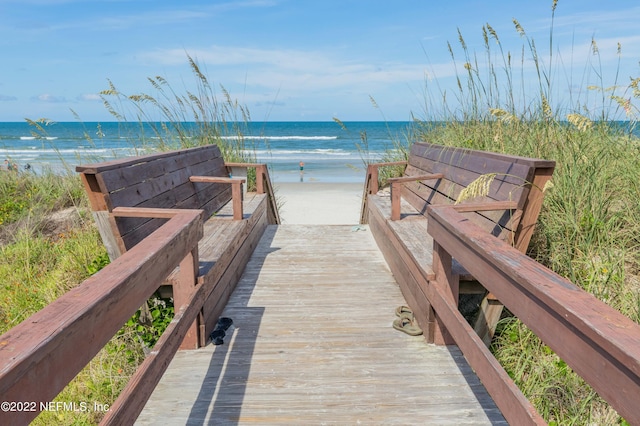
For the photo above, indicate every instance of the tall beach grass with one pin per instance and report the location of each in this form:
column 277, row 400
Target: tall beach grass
column 49, row 243
column 186, row 118
column 588, row 230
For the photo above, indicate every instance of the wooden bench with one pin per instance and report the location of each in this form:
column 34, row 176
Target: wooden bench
column 129, row 198
column 436, row 175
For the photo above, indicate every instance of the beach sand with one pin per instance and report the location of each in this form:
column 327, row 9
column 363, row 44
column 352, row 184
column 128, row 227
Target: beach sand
column 319, row 203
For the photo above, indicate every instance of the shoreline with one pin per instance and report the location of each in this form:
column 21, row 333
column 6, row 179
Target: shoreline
column 319, row 203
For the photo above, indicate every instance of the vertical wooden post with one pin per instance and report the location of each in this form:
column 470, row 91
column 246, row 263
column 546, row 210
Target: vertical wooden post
column 236, row 196
column 240, row 173
column 104, row 221
column 260, row 174
column 490, row 307
column 488, row 317
column 186, row 282
column 373, row 185
column 531, row 209
column 447, row 284
column 396, row 195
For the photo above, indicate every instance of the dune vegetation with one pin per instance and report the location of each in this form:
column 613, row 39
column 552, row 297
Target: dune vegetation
column 588, row 230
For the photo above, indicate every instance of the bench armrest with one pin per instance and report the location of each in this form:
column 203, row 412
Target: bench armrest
column 483, row 207
column 236, row 190
column 403, row 179
column 388, row 163
column 396, row 190
column 217, row 179
column 152, row 212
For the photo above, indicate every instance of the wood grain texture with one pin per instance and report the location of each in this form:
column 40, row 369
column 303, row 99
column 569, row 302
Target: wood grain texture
column 596, row 341
column 312, row 343
column 39, row 356
column 509, row 211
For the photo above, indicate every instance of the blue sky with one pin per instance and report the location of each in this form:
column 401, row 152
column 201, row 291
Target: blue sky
column 294, row 60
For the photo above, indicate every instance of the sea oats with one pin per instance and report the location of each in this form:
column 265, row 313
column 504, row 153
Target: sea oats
column 478, row 188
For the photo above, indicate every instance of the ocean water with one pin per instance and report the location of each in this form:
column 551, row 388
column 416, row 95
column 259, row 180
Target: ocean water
column 330, row 152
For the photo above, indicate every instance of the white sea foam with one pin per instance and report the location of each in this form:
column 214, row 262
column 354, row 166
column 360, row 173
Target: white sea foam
column 284, row 152
column 281, row 138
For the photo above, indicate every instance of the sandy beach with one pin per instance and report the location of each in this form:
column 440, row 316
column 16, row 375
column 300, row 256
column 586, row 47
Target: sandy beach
column 319, row 203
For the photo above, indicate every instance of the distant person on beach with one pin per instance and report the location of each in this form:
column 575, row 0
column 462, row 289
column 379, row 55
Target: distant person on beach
column 301, row 171
column 10, row 165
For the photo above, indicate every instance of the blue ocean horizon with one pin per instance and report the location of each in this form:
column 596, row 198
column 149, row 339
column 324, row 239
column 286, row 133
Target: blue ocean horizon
column 330, row 151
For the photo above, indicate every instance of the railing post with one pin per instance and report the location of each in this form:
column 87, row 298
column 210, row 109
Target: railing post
column 396, row 195
column 182, row 289
column 260, row 174
column 240, row 173
column 447, row 284
column 236, row 196
column 373, row 185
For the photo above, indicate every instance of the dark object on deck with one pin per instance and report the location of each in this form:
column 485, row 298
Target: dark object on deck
column 219, row 333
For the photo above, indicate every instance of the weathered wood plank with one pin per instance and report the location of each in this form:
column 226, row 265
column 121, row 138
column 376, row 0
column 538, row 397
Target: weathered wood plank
column 178, row 157
column 313, row 343
column 518, row 410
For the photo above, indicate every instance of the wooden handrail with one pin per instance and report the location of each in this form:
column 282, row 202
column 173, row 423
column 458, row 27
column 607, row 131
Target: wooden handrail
column 259, row 176
column 236, row 190
column 373, row 170
column 263, row 186
column 403, row 179
column 39, row 356
column 396, row 190
column 263, row 172
column 595, row 340
column 372, row 184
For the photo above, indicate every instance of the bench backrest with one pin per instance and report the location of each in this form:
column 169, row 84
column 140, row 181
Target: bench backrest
column 517, row 179
column 152, row 181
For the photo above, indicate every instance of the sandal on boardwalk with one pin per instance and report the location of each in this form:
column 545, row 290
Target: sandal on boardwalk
column 224, row 323
column 406, row 325
column 404, row 312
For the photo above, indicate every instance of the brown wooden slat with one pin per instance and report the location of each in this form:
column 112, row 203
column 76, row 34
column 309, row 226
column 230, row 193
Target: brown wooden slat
column 498, row 223
column 133, row 230
column 178, row 180
column 132, row 161
column 427, row 150
column 417, row 177
column 421, row 147
column 118, row 179
column 509, row 185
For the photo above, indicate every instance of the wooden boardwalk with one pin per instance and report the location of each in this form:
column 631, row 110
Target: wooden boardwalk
column 312, row 343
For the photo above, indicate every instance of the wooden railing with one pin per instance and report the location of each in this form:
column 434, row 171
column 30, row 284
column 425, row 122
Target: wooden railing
column 41, row 355
column 371, row 185
column 263, row 186
column 595, row 340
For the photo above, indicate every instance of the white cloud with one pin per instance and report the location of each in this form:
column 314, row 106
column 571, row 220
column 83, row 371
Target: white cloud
column 89, row 97
column 292, row 69
column 46, row 97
